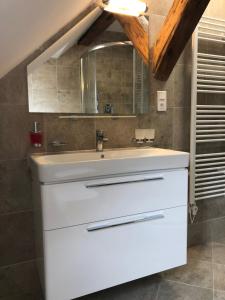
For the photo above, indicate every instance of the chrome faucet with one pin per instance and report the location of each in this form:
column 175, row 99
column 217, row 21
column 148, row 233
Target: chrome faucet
column 100, row 139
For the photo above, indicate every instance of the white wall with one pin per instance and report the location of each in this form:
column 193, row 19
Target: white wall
column 26, row 24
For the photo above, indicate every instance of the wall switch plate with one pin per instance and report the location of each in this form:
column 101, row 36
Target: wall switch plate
column 161, row 100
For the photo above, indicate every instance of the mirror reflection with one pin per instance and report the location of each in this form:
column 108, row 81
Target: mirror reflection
column 106, row 78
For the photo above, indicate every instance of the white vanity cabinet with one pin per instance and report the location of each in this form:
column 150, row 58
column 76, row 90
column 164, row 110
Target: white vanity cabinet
column 102, row 232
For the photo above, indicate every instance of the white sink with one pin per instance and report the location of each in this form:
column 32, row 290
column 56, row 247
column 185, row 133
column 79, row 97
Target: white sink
column 89, row 164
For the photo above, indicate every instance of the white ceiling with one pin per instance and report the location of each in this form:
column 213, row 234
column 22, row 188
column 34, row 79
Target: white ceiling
column 26, row 24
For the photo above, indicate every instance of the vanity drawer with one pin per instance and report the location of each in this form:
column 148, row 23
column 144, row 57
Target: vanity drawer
column 79, row 261
column 75, row 203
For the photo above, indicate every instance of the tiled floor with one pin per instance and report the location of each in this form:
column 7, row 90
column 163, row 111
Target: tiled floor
column 203, row 278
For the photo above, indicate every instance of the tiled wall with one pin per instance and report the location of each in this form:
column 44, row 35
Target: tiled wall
column 59, row 83
column 172, row 127
column 18, row 278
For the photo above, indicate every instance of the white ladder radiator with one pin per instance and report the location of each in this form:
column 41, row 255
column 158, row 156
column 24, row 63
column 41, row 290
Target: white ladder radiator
column 207, row 168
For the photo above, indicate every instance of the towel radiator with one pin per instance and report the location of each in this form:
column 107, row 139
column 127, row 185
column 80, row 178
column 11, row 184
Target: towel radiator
column 207, row 167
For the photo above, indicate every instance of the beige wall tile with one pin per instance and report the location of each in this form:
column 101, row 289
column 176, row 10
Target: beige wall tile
column 67, row 78
column 181, row 129
column 15, row 186
column 44, row 77
column 219, row 295
column 120, row 132
column 13, row 87
column 219, row 275
column 77, row 134
column 14, row 128
column 44, row 100
column 17, row 238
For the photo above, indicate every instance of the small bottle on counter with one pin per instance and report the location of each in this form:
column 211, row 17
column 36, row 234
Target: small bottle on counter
column 36, row 136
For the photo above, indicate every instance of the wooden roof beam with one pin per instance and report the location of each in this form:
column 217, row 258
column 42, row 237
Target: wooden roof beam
column 136, row 30
column 97, row 28
column 179, row 25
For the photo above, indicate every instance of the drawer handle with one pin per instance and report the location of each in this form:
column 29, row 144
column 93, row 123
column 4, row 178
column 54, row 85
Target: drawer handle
column 124, row 221
column 97, row 185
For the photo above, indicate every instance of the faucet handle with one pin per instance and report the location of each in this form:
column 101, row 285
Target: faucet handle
column 99, row 133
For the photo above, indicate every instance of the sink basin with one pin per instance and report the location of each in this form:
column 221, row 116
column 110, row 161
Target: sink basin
column 89, row 164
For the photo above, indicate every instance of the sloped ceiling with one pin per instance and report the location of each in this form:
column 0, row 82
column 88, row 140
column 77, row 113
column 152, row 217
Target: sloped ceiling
column 27, row 24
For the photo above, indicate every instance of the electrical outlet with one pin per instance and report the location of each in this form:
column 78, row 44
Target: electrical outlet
column 161, row 100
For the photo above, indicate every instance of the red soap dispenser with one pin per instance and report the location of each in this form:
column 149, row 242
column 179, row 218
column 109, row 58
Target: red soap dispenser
column 36, row 136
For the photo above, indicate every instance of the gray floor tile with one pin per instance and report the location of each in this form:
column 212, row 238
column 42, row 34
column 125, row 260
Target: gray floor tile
column 19, row 279
column 200, row 233
column 218, row 295
column 201, row 252
column 219, row 277
column 23, row 297
column 142, row 289
column 218, row 232
column 178, row 291
column 210, row 209
column 197, row 273
column 219, row 253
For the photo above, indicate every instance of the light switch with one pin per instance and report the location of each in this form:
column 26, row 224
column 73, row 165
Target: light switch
column 161, row 100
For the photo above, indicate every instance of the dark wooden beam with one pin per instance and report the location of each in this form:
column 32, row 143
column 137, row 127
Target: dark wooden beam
column 98, row 27
column 179, row 25
column 136, row 33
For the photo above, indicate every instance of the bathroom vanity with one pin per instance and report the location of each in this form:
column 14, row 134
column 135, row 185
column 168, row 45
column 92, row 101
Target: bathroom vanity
column 103, row 219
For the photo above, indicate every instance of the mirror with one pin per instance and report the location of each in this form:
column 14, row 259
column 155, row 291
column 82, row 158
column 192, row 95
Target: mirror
column 107, row 78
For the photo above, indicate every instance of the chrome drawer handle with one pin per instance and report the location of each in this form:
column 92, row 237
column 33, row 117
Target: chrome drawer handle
column 97, row 185
column 125, row 221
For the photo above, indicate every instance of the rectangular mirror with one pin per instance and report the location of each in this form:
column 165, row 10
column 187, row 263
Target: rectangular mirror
column 107, row 78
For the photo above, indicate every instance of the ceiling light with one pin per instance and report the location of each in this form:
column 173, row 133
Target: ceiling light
column 125, row 7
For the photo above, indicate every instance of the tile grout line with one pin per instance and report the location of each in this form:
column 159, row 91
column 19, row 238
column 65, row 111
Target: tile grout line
column 188, row 284
column 18, row 294
column 220, row 244
column 213, row 267
column 16, row 212
column 13, row 159
column 157, row 293
column 219, row 290
column 19, row 263
column 201, row 260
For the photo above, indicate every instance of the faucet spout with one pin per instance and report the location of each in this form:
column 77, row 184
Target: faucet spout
column 100, row 139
